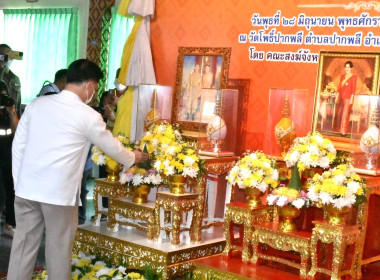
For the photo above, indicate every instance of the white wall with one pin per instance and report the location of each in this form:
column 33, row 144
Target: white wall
column 83, row 10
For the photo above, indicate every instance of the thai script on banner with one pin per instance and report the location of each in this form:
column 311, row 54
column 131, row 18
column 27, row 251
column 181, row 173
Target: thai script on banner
column 268, row 34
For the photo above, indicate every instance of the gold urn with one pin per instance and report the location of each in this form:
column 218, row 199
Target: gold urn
column 336, row 216
column 287, row 215
column 253, row 196
column 177, row 183
column 140, row 194
column 284, row 130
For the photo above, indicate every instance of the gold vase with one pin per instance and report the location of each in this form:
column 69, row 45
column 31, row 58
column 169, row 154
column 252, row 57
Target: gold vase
column 287, row 215
column 253, row 196
column 177, row 183
column 113, row 173
column 336, row 216
column 140, row 194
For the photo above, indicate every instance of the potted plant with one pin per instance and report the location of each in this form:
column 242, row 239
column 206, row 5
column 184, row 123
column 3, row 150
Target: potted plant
column 255, row 172
column 113, row 168
column 310, row 154
column 339, row 189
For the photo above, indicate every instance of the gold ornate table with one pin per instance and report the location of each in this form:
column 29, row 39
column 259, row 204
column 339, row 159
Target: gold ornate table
column 177, row 204
column 213, row 165
column 269, row 234
column 134, row 213
column 239, row 213
column 340, row 236
column 104, row 188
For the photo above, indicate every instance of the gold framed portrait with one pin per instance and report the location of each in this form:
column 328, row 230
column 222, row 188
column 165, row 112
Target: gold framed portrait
column 342, row 76
column 197, row 68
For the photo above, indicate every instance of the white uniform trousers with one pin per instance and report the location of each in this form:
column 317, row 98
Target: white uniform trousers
column 31, row 219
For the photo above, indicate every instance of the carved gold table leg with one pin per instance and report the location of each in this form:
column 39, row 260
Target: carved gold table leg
column 176, row 223
column 227, row 232
column 255, row 245
column 246, row 240
column 338, row 252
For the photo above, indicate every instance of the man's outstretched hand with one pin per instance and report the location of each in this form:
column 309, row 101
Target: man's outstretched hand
column 140, row 156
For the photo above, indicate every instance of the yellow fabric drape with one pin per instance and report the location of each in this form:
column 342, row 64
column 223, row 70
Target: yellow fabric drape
column 124, row 114
column 123, row 8
column 127, row 51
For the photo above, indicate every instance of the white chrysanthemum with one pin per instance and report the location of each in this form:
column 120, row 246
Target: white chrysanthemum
column 170, row 150
column 266, row 164
column 344, row 201
column 311, row 194
column 147, row 180
column 306, row 159
column 75, row 272
column 313, row 149
column 82, row 255
column 318, row 139
column 137, row 180
column 324, row 162
column 156, row 179
column 74, row 261
column 161, row 128
column 244, row 173
column 282, row 201
column 262, row 186
column 293, row 158
column 298, row 203
column 157, row 165
column 325, row 197
column 339, row 179
column 170, row 170
column 123, row 178
column 275, row 174
column 155, row 141
column 271, row 198
column 101, row 160
column 177, row 134
column 190, row 172
column 241, row 185
column 330, row 147
column 165, row 146
column 253, row 156
column 188, row 161
column 102, row 271
column 100, row 263
column 353, row 186
column 122, row 269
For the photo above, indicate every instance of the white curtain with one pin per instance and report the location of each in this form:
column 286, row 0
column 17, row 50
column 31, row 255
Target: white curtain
column 48, row 39
column 121, row 27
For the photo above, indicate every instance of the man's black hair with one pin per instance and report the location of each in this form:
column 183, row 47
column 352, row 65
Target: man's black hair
column 83, row 70
column 60, row 74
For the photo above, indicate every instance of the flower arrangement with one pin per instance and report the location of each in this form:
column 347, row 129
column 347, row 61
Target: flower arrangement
column 310, row 151
column 340, row 186
column 179, row 158
column 284, row 196
column 90, row 267
column 100, row 158
column 254, row 170
column 160, row 138
column 137, row 176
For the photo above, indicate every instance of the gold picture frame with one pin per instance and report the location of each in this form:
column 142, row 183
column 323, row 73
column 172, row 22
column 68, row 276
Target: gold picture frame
column 197, row 68
column 341, row 75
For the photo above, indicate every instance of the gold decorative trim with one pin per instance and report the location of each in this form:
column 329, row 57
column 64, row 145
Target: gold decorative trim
column 203, row 272
column 137, row 256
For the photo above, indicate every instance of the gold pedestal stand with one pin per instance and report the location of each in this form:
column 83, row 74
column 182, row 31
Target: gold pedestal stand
column 110, row 189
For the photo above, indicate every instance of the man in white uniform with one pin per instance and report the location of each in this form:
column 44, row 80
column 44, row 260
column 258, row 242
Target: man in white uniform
column 49, row 153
